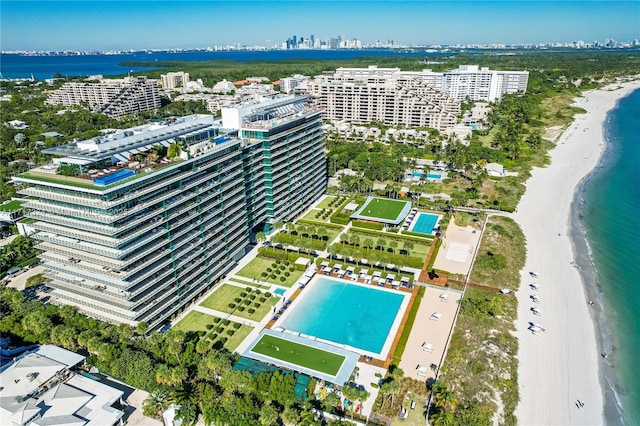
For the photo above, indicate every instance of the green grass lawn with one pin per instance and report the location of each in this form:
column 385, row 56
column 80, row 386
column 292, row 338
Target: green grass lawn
column 383, row 208
column 324, row 204
column 418, row 250
column 296, row 353
column 264, row 309
column 312, row 216
column 249, row 283
column 194, row 321
column 257, row 266
column 221, row 298
column 238, row 337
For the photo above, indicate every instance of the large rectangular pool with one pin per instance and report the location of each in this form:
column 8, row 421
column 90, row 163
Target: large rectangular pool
column 425, row 222
column 349, row 314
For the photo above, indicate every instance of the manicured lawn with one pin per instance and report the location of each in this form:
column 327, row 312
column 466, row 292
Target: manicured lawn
column 418, row 250
column 257, row 266
column 383, row 208
column 194, row 321
column 249, row 283
column 221, row 298
column 312, row 216
column 264, row 309
column 324, row 204
column 296, row 353
column 238, row 337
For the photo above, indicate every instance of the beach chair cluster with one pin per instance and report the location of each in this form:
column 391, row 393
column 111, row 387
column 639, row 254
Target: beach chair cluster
column 283, row 308
column 364, row 275
column 409, row 219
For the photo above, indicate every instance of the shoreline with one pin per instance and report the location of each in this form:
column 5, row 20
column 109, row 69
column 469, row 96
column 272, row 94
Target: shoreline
column 562, row 366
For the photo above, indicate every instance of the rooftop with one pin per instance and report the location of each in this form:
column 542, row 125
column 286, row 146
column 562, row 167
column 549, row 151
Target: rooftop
column 39, row 387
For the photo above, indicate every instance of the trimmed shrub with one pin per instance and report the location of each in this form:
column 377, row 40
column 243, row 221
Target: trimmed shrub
column 236, row 325
column 246, row 302
column 209, row 326
column 286, row 274
column 226, row 322
column 237, row 300
column 262, row 299
column 217, row 319
column 230, row 332
column 241, row 308
column 201, row 333
column 243, row 294
column 264, row 275
column 366, row 224
column 283, row 279
column 272, row 276
column 251, row 310
column 232, row 305
column 219, row 329
column 257, row 305
column 267, row 295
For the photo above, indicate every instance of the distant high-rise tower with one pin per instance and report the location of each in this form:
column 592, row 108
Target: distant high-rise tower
column 294, row 41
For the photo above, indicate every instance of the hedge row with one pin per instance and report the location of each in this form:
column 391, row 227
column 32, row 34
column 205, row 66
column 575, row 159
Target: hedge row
column 434, row 254
column 417, row 234
column 392, row 236
column 366, row 224
column 339, row 217
column 314, row 223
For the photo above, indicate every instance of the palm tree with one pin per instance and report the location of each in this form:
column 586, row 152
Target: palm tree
column 260, row 237
column 156, row 403
column 442, row 418
column 443, row 397
column 393, row 245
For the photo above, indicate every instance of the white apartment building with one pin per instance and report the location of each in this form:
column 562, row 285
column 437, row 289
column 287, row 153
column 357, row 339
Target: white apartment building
column 174, row 80
column 475, row 83
column 287, row 84
column 112, row 97
column 362, row 95
column 224, row 86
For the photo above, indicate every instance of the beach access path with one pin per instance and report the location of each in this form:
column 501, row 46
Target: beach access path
column 560, row 366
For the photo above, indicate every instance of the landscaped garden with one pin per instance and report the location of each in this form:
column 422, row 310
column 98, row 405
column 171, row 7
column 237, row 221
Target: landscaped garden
column 299, row 354
column 249, row 303
column 278, row 272
column 220, row 332
column 307, row 236
column 383, row 247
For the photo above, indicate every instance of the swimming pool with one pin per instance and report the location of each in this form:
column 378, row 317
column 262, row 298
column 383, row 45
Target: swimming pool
column 429, row 175
column 424, row 223
column 279, row 291
column 350, row 314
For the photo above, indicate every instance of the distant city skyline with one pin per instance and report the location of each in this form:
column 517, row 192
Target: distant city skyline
column 121, row 25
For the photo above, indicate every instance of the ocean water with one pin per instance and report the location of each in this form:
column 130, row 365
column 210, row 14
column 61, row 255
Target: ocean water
column 42, row 67
column 610, row 220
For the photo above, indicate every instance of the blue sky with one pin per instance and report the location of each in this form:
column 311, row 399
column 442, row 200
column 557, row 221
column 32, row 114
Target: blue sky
column 99, row 25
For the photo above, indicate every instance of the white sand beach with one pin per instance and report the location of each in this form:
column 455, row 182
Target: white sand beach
column 560, row 366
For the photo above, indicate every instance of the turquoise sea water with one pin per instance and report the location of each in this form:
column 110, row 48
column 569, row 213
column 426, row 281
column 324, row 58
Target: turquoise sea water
column 345, row 313
column 611, row 219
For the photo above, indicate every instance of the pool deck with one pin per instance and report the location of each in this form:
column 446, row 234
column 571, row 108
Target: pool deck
column 376, row 361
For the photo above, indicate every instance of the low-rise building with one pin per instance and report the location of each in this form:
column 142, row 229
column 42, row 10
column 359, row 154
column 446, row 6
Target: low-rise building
column 44, row 387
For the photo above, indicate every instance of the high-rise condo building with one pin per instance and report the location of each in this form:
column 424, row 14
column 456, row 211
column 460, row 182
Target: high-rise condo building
column 139, row 232
column 112, row 97
column 475, row 83
column 362, row 95
column 173, row 80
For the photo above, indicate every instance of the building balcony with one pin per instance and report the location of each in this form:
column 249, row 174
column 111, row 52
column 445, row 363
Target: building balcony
column 80, row 200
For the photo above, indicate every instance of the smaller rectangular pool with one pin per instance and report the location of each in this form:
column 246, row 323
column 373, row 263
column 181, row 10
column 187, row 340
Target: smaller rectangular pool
column 425, row 222
column 429, row 175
